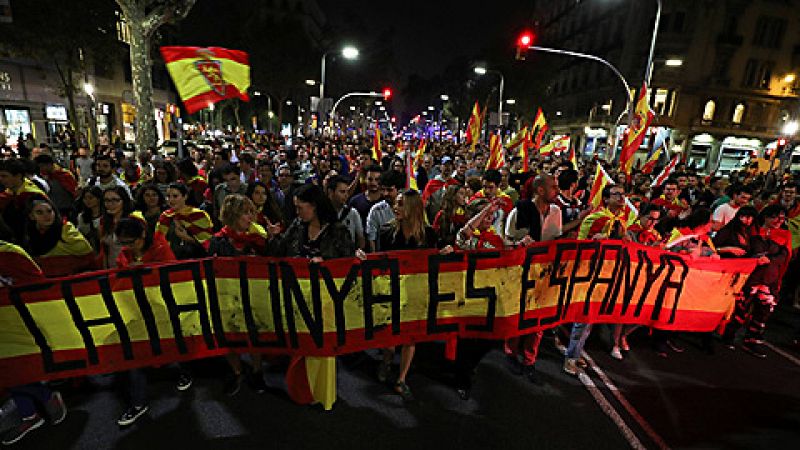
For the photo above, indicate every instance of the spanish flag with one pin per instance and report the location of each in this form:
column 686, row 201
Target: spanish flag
column 539, row 127
column 420, row 153
column 641, row 121
column 206, row 75
column 474, row 127
column 559, row 145
column 651, row 163
column 496, row 153
column 601, row 179
column 377, row 154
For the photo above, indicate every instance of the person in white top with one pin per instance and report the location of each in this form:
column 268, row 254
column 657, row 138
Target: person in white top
column 740, row 196
column 535, row 220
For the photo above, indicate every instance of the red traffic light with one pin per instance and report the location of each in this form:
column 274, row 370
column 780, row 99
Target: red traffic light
column 525, row 39
column 387, row 94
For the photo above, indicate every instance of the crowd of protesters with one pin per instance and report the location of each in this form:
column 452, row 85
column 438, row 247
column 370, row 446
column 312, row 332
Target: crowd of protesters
column 329, row 198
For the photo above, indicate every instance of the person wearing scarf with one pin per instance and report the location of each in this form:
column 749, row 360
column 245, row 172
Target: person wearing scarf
column 186, row 228
column 56, row 245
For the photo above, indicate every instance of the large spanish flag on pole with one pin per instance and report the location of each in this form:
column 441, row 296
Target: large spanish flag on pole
column 496, row 153
column 601, row 180
column 641, row 120
column 474, row 127
column 206, row 75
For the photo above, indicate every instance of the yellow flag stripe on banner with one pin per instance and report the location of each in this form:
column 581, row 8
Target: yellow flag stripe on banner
column 290, row 306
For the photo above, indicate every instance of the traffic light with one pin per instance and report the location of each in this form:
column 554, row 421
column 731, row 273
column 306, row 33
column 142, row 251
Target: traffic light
column 779, row 147
column 524, row 41
column 387, row 93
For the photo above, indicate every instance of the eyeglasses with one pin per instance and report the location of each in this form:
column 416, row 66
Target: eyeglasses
column 112, row 200
column 126, row 242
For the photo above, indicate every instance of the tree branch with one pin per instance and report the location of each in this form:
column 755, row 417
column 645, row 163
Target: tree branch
column 168, row 12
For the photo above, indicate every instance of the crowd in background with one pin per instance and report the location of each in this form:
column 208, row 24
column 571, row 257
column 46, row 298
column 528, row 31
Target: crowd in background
column 324, row 198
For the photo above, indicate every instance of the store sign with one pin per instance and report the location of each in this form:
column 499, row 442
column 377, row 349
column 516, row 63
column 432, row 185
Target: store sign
column 56, row 112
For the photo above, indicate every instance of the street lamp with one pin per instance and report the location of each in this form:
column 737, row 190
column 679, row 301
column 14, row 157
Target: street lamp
column 790, row 128
column 511, row 101
column 311, row 82
column 444, row 97
column 348, row 52
column 89, row 89
column 480, row 70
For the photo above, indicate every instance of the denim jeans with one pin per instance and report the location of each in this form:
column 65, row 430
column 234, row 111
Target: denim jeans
column 28, row 397
column 577, row 338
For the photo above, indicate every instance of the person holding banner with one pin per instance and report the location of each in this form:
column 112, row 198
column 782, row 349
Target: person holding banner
column 534, row 220
column 138, row 247
column 772, row 245
column 608, row 222
column 117, row 205
column 186, row 228
column 407, row 231
column 315, row 234
column 58, row 247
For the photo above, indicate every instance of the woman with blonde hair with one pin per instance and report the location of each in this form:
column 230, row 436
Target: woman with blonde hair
column 408, row 231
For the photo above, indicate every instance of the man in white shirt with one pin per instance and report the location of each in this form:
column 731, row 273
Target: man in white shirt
column 535, row 220
column 106, row 178
column 740, row 196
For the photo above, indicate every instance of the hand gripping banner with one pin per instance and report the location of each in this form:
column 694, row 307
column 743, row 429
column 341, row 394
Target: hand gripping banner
column 109, row 321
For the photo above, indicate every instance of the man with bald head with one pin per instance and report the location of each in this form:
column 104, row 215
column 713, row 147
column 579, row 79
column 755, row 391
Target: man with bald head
column 535, row 220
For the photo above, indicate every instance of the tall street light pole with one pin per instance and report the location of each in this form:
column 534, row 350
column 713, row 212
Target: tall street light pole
column 480, row 70
column 648, row 71
column 348, row 52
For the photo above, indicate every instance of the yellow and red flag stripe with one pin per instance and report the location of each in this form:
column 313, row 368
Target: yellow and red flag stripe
column 601, row 179
column 377, row 154
column 641, row 121
column 474, row 127
column 206, row 75
column 496, row 153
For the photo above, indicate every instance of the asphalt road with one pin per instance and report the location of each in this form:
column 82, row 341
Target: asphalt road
column 688, row 400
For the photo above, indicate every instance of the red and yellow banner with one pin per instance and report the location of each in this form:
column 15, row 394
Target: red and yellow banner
column 109, row 321
column 206, row 75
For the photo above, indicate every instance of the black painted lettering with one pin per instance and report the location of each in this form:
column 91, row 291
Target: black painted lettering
column 370, row 298
column 293, row 294
column 175, row 310
column 435, row 297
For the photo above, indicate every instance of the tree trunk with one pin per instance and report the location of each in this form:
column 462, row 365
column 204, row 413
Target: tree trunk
column 142, row 85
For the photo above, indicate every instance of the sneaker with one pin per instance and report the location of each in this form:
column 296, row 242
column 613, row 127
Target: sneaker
column 514, row 366
column 616, row 353
column 184, row 381
column 674, row 347
column 256, row 382
column 384, row 369
column 233, row 384
column 530, row 374
column 623, row 344
column 562, row 349
column 131, row 415
column 56, row 409
column 571, row 367
column 27, row 425
column 754, row 348
column 402, row 388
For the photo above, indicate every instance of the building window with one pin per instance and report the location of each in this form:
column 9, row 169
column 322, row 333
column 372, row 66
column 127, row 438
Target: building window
column 123, row 30
column 661, row 101
column 765, row 74
column 678, row 21
column 738, row 113
column 769, row 32
column 750, row 73
column 709, row 110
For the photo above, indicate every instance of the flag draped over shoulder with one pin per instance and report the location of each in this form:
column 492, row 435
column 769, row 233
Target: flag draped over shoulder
column 641, row 120
column 496, row 153
column 411, row 172
column 573, row 158
column 206, row 75
column 420, row 153
column 474, row 127
column 601, row 179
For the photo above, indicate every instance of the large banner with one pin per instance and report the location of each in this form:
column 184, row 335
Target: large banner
column 108, row 321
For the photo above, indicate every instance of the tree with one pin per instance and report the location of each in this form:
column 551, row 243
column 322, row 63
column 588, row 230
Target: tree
column 65, row 37
column 144, row 17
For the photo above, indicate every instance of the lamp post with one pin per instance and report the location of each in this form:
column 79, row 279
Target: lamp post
column 480, row 70
column 90, row 132
column 348, row 52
